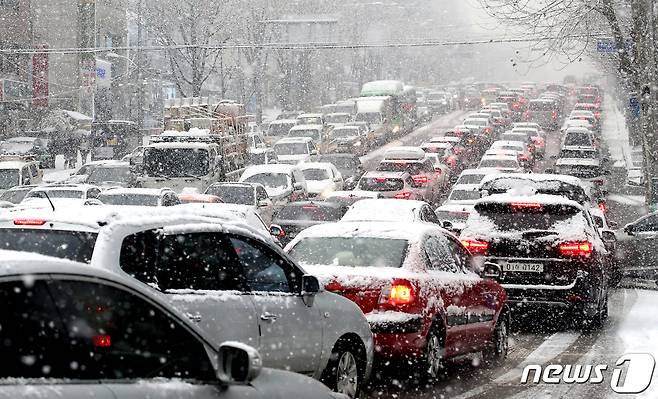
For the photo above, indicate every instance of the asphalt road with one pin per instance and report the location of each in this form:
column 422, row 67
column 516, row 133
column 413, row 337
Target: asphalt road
column 632, row 327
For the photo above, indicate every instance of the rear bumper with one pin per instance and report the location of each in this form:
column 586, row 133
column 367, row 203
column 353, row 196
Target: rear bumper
column 399, row 339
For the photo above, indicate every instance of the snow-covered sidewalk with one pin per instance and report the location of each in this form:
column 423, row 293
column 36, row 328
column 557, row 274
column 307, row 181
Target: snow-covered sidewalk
column 615, row 132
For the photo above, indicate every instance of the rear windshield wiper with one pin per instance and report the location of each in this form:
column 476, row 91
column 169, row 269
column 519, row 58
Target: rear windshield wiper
column 538, row 234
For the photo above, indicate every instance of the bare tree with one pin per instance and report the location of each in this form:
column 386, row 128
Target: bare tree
column 188, row 28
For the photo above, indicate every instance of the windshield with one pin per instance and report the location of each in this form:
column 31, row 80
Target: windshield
column 314, row 134
column 9, row 178
column 337, row 118
column 129, row 199
column 470, row 179
column 316, row 174
column 458, row 217
column 579, row 154
column 380, row 184
column 309, row 212
column 336, row 133
column 176, row 162
column 464, row 195
column 414, row 168
column 374, row 118
column 72, row 245
column 72, row 194
column 101, row 175
column 233, row 194
column 14, row 196
column 354, row 252
column 270, row 179
column 283, row 149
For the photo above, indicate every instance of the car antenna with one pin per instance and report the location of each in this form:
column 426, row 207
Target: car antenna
column 45, row 194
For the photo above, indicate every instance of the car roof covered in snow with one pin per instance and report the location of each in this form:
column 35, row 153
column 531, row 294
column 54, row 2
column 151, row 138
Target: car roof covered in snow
column 271, row 168
column 578, row 161
column 544, row 199
column 535, row 177
column 412, row 232
column 316, row 165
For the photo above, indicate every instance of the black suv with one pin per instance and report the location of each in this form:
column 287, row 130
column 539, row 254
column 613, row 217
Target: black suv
column 549, row 254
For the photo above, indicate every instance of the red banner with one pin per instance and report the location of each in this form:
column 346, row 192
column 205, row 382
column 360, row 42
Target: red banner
column 40, row 77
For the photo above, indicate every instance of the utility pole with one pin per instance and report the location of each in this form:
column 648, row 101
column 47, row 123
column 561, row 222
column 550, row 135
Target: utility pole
column 140, row 76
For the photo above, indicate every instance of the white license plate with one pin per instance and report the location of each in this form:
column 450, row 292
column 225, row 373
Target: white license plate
column 523, row 267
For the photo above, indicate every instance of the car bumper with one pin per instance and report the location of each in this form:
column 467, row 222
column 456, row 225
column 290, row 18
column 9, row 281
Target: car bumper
column 577, row 296
column 400, row 338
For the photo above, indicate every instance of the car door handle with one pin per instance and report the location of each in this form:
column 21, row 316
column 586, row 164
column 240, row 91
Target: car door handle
column 194, row 317
column 269, row 317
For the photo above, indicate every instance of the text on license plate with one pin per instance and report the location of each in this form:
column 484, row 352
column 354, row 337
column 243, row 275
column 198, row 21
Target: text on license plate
column 523, row 267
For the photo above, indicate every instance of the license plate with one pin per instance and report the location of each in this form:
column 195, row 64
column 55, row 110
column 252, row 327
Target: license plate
column 523, row 267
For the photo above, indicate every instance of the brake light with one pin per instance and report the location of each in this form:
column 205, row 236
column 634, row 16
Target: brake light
column 403, row 195
column 526, row 115
column 310, row 207
column 420, row 180
column 102, row 341
column 438, row 172
column 523, row 157
column 29, row 222
column 401, row 292
column 380, row 179
column 516, row 106
column 539, row 141
column 476, row 247
column 603, row 207
column 526, row 205
column 487, row 130
column 554, row 114
column 597, row 115
column 583, row 248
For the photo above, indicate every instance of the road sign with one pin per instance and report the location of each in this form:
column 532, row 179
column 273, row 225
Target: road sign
column 608, row 46
column 634, row 106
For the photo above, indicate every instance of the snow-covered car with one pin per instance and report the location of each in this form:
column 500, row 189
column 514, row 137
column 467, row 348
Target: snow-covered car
column 538, row 140
column 321, row 178
column 587, row 169
column 294, row 150
column 283, row 183
column 66, row 195
column 390, row 210
column 348, row 198
column 16, row 194
column 139, row 197
column 349, row 139
column 248, row 194
column 506, row 164
column 349, row 166
column 551, row 256
column 113, row 174
column 213, row 269
column 416, row 285
column 398, row 185
column 81, row 175
column 474, row 176
column 133, row 344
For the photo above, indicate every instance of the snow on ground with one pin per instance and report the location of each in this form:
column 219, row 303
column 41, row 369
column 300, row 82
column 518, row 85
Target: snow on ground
column 635, row 200
column 615, row 132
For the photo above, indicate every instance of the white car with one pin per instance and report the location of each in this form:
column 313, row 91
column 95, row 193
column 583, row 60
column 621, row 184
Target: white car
column 463, row 194
column 504, row 163
column 322, row 178
column 234, row 284
column 139, row 197
column 249, row 194
column 65, row 195
column 390, row 210
column 293, row 150
column 99, row 334
column 283, row 183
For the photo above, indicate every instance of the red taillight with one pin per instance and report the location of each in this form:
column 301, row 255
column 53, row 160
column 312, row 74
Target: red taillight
column 401, row 292
column 29, row 222
column 310, row 207
column 438, row 172
column 420, row 180
column 380, row 179
column 102, row 341
column 597, row 115
column 526, row 205
column 583, row 248
column 475, row 246
column 403, row 195
column 523, row 157
column 554, row 114
column 603, row 207
column 539, row 141
column 516, row 106
column 526, row 115
column 487, row 130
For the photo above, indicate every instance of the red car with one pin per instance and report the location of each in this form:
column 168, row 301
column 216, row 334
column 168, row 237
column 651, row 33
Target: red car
column 415, row 284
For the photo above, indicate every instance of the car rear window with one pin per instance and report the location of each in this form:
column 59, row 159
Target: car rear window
column 351, row 251
column 453, row 216
column 499, row 163
column 550, row 187
column 541, row 106
column 413, row 168
column 530, row 216
column 77, row 246
column 470, row 179
column 578, row 139
column 581, row 171
column 309, row 212
column 381, row 184
column 464, row 195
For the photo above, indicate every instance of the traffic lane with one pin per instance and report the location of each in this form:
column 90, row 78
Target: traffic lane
column 630, row 328
column 415, row 138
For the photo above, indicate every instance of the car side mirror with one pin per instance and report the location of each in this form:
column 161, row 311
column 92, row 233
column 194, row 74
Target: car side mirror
column 298, row 186
column 612, row 224
column 310, row 287
column 629, row 229
column 446, row 224
column 314, row 152
column 238, row 363
column 491, row 271
column 264, row 203
column 277, row 231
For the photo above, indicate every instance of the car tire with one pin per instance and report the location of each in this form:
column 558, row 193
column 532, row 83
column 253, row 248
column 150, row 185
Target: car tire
column 498, row 347
column 598, row 320
column 344, row 372
column 432, row 365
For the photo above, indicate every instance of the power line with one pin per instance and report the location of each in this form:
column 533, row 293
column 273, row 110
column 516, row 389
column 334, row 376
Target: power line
column 303, row 46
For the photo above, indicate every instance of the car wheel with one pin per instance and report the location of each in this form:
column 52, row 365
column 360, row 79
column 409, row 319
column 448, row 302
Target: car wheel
column 433, row 356
column 598, row 319
column 342, row 374
column 496, row 351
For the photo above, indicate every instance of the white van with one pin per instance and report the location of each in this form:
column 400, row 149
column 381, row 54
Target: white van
column 16, row 170
column 293, row 150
